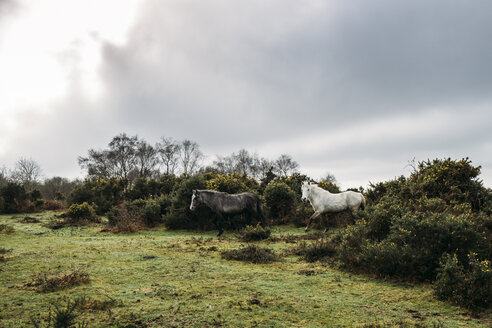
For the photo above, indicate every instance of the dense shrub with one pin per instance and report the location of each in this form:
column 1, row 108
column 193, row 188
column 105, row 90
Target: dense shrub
column 331, row 187
column 468, row 285
column 152, row 213
column 179, row 215
column 15, row 198
column 254, row 233
column 104, row 193
column 232, row 183
column 80, row 212
column 280, row 200
column 410, row 225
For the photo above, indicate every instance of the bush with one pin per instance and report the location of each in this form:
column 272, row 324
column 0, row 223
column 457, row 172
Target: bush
column 252, row 253
column 152, row 213
column 104, row 193
column 469, row 286
column 124, row 219
column 317, row 250
column 280, row 200
column 14, row 198
column 256, row 233
column 179, row 215
column 81, row 212
column 53, row 205
column 232, row 183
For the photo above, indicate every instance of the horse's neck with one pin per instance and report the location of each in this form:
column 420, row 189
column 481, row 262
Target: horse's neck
column 318, row 194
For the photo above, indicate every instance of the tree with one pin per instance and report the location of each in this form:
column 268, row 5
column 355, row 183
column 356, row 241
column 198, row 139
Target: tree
column 57, row 187
column 285, row 165
column 328, row 177
column 169, row 151
column 146, row 159
column 27, row 172
column 190, row 156
column 127, row 158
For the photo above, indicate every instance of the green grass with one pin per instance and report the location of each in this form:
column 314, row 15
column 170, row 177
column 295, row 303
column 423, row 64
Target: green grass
column 160, row 278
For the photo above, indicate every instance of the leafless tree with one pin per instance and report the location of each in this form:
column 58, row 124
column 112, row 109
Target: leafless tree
column 146, row 159
column 169, row 152
column 190, row 156
column 27, row 172
column 285, row 165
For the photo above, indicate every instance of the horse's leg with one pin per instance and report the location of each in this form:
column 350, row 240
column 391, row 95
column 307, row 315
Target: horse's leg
column 217, row 221
column 315, row 215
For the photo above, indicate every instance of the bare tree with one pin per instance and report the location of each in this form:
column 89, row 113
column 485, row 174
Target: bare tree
column 27, row 172
column 190, row 156
column 285, row 165
column 169, row 150
column 146, row 159
column 119, row 161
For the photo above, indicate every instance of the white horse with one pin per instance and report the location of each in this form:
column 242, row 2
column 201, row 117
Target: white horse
column 324, row 201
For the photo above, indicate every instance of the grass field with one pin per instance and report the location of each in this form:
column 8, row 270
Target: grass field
column 161, row 278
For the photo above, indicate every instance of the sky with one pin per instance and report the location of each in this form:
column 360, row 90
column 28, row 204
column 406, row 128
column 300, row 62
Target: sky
column 356, row 88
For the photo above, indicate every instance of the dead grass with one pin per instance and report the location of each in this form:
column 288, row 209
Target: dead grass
column 46, row 282
column 251, row 253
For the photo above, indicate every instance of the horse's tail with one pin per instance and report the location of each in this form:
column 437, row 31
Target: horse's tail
column 363, row 202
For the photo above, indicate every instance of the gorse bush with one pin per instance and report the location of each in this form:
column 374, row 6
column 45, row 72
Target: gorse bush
column 468, row 284
column 104, row 193
column 80, row 212
column 410, row 224
column 232, row 183
column 280, row 200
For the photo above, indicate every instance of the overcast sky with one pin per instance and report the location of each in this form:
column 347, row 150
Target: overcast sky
column 355, row 88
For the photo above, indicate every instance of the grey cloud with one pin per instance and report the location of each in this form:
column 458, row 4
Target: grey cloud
column 234, row 75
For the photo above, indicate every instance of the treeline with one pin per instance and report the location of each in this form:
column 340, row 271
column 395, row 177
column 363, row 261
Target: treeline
column 129, row 160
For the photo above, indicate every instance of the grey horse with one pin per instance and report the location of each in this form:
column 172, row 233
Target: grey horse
column 224, row 204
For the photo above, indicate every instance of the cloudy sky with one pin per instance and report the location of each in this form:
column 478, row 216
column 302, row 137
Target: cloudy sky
column 355, row 88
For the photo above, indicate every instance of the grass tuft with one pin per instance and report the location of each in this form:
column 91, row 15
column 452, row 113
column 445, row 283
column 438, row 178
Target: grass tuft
column 252, row 253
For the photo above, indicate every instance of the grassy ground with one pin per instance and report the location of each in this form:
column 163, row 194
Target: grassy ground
column 162, row 278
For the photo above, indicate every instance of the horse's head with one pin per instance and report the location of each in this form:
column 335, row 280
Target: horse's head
column 195, row 200
column 305, row 189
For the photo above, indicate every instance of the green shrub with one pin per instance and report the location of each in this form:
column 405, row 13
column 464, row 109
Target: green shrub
column 15, row 199
column 104, row 193
column 179, row 215
column 467, row 285
column 280, row 200
column 152, row 213
column 331, row 187
column 255, row 233
column 232, row 183
column 80, row 212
